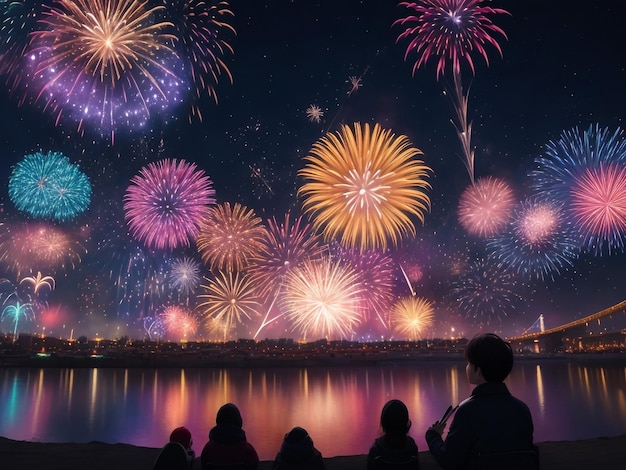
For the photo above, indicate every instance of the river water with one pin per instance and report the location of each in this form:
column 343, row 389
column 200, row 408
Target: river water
column 339, row 406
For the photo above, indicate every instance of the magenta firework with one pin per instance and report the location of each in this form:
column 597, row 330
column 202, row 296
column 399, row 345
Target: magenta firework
column 167, row 202
column 450, row 31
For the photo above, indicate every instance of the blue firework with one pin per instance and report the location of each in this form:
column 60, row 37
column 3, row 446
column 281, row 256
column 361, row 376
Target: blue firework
column 486, row 293
column 568, row 158
column 185, row 275
column 587, row 173
column 538, row 242
column 49, row 186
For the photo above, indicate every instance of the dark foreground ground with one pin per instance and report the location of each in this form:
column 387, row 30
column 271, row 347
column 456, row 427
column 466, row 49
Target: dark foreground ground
column 597, row 454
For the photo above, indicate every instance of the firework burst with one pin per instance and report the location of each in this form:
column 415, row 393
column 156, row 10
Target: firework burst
column 486, row 293
column 485, row 207
column 203, row 28
column 167, row 202
column 598, row 202
column 231, row 299
column 49, row 186
column 33, row 247
column 104, row 60
column 364, row 185
column 185, row 275
column 449, row 31
column 230, row 237
column 286, row 245
column 411, row 316
column 322, row 299
column 375, row 273
column 17, row 21
column 452, row 30
column 538, row 241
column 587, row 173
column 179, row 322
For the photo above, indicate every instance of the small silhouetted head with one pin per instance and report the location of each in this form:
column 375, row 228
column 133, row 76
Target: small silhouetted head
column 394, row 418
column 182, row 435
column 229, row 414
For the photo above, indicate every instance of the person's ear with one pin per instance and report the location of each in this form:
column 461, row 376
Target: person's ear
column 408, row 426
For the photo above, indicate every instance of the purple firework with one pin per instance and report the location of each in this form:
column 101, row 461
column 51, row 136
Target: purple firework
column 166, row 203
column 450, row 30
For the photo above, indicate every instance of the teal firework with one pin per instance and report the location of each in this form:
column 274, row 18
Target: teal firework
column 49, row 186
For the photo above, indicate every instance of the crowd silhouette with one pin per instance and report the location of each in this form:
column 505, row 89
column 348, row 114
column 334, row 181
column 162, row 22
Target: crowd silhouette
column 490, row 430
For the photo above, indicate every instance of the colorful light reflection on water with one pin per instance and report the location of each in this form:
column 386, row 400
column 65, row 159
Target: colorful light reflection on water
column 339, row 406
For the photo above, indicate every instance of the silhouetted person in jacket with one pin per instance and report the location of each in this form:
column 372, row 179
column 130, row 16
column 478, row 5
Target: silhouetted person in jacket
column 395, row 445
column 297, row 451
column 491, row 419
column 227, row 441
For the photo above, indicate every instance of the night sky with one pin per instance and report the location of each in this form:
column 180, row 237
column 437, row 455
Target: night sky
column 563, row 67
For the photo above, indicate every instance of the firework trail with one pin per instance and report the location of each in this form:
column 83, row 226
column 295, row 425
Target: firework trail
column 451, row 31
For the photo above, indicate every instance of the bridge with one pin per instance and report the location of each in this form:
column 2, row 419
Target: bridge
column 553, row 339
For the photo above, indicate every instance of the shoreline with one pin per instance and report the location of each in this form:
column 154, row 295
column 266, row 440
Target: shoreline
column 193, row 361
column 606, row 453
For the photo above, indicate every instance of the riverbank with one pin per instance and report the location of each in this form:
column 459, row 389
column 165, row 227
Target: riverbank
column 605, row 453
column 196, row 361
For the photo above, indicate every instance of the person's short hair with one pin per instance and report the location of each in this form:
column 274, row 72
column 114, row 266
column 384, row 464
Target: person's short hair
column 492, row 354
column 394, row 418
column 229, row 414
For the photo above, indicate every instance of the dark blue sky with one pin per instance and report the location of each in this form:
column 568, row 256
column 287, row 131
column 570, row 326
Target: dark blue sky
column 563, row 66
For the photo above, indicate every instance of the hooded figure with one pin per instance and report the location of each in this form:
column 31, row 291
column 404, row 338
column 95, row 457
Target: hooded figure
column 395, row 445
column 227, row 441
column 297, row 451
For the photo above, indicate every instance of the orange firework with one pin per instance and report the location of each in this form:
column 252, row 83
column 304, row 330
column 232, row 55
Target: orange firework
column 364, row 185
column 230, row 299
column 411, row 316
column 230, row 237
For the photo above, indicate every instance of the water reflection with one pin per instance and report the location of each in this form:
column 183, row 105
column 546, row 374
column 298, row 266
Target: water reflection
column 568, row 401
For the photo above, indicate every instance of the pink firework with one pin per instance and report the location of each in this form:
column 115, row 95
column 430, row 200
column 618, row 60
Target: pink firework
column 32, row 247
column 485, row 207
column 286, row 245
column 179, row 322
column 598, row 201
column 538, row 222
column 167, row 202
column 450, row 31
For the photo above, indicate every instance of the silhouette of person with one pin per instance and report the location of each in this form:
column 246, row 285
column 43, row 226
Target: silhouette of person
column 298, row 451
column 491, row 419
column 395, row 445
column 227, row 441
